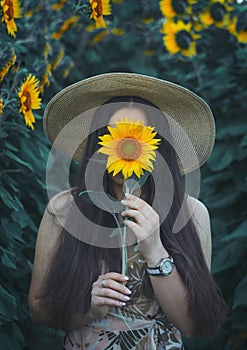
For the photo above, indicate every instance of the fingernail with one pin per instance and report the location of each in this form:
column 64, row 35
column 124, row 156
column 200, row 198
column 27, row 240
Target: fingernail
column 127, row 194
column 125, row 297
column 125, row 278
column 123, row 201
column 123, row 213
column 128, row 291
column 122, row 304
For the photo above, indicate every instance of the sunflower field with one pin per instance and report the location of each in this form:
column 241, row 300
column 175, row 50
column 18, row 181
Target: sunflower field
column 47, row 45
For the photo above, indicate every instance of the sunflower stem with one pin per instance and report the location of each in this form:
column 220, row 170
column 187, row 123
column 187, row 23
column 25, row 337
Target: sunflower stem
column 124, row 248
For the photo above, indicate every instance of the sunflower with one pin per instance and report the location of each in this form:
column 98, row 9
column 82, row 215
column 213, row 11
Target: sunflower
column 216, row 13
column 1, row 106
column 29, row 99
column 172, row 8
column 130, row 148
column 100, row 8
column 6, row 68
column 57, row 6
column 11, row 10
column 47, row 50
column 46, row 78
column 179, row 37
column 66, row 26
column 58, row 59
column 30, row 13
column 239, row 29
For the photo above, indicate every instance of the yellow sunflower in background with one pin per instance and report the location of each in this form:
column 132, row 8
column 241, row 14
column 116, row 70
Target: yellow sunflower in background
column 239, row 30
column 179, row 37
column 58, row 5
column 29, row 99
column 100, row 8
column 172, row 8
column 66, row 26
column 216, row 13
column 130, row 148
column 1, row 106
column 11, row 10
column 7, row 67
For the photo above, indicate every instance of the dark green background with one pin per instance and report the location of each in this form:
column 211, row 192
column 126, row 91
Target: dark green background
column 218, row 73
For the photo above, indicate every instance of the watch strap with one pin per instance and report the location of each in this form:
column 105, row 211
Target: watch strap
column 156, row 270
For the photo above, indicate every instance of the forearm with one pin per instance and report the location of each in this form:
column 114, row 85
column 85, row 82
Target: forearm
column 41, row 315
column 171, row 293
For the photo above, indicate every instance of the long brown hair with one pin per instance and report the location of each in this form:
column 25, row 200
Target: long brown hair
column 76, row 264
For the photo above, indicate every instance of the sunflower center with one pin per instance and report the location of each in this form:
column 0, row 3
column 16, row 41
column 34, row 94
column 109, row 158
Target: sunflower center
column 27, row 102
column 183, row 39
column 10, row 10
column 217, row 11
column 97, row 8
column 129, row 149
column 179, row 6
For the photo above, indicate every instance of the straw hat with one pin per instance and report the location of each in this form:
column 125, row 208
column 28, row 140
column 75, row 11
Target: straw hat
column 68, row 115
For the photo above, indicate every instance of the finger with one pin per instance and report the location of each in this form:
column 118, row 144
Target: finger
column 111, row 284
column 102, row 301
column 136, row 215
column 112, row 294
column 135, row 228
column 114, row 276
column 139, row 204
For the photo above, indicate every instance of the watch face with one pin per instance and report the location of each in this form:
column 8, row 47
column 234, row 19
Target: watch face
column 166, row 267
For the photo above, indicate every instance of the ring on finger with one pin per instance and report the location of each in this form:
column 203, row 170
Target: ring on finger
column 102, row 283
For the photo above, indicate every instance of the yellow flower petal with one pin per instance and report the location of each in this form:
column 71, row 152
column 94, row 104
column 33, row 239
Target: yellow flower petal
column 29, row 99
column 130, row 148
column 11, row 10
column 100, row 8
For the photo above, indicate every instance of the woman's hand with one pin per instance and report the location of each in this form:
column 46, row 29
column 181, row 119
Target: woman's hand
column 107, row 291
column 146, row 227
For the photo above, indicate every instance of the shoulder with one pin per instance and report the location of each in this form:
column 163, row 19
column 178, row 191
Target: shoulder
column 57, row 210
column 201, row 219
column 198, row 211
column 60, row 204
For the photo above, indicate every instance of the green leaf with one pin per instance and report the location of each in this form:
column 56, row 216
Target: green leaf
column 8, row 343
column 239, row 232
column 12, row 230
column 240, row 294
column 230, row 254
column 22, row 217
column 12, row 203
column 117, row 231
column 231, row 129
column 239, row 318
column 3, row 134
column 243, row 142
column 8, row 258
column 7, row 305
column 17, row 159
column 223, row 154
column 11, row 146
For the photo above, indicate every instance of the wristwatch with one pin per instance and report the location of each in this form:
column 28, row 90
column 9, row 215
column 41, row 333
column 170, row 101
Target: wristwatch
column 163, row 268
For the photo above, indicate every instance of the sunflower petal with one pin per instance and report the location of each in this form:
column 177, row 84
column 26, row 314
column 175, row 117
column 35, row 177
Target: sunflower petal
column 130, row 147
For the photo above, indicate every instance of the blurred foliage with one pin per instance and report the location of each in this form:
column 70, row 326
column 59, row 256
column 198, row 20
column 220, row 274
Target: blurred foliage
column 58, row 43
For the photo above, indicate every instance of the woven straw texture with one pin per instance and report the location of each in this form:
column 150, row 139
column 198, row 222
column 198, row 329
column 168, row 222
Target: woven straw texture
column 68, row 115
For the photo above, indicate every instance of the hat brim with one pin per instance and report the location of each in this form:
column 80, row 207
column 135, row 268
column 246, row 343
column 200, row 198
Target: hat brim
column 179, row 104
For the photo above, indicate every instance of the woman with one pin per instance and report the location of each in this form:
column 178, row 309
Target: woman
column 168, row 290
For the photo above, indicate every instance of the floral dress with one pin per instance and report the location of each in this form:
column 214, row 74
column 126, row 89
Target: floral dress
column 145, row 326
